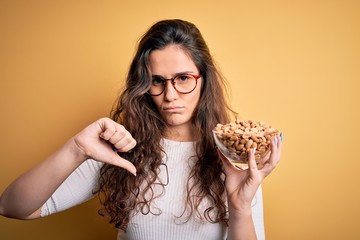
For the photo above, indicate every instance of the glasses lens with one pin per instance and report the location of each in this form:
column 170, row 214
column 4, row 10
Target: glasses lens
column 185, row 83
column 157, row 86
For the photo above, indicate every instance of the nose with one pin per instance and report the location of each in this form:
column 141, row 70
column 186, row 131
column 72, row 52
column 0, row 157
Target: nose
column 170, row 93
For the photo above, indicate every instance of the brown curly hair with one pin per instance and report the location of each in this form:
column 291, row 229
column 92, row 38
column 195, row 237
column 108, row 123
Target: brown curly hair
column 119, row 191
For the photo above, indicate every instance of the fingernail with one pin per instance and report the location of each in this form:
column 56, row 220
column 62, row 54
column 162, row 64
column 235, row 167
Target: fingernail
column 281, row 136
column 115, row 149
column 275, row 140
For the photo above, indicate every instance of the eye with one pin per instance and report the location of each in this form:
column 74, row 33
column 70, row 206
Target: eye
column 157, row 81
column 183, row 78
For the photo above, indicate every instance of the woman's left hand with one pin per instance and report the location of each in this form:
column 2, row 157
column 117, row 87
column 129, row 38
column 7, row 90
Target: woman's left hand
column 241, row 185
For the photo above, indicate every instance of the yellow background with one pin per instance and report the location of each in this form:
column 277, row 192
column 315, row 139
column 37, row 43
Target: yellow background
column 294, row 64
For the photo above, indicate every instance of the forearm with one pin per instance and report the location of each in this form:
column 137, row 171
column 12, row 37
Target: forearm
column 31, row 190
column 241, row 225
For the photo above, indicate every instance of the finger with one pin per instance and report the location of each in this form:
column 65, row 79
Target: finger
column 261, row 162
column 253, row 168
column 280, row 142
column 120, row 139
column 276, row 146
column 116, row 160
column 109, row 133
column 125, row 145
column 117, row 135
column 106, row 128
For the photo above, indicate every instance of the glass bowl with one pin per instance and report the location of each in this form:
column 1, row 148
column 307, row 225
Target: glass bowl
column 234, row 140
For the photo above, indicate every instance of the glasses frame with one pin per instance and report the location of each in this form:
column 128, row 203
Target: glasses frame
column 196, row 77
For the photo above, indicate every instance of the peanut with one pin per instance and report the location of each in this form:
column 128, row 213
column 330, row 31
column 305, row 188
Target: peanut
column 240, row 136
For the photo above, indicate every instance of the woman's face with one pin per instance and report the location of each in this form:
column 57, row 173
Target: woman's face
column 175, row 108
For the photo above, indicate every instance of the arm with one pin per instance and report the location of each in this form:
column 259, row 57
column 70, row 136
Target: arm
column 241, row 224
column 241, row 187
column 79, row 187
column 253, row 218
column 38, row 184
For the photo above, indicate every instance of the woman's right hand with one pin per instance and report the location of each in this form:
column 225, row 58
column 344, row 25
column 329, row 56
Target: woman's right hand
column 98, row 140
column 36, row 186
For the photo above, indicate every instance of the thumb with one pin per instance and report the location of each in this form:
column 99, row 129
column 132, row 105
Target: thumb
column 252, row 163
column 116, row 160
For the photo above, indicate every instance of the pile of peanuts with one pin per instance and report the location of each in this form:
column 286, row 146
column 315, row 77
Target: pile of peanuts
column 242, row 135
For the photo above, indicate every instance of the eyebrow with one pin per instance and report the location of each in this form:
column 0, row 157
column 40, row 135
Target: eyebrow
column 175, row 74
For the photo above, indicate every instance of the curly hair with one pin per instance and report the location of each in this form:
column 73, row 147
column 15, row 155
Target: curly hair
column 120, row 193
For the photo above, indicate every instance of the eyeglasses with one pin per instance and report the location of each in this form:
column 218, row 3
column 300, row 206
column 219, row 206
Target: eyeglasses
column 183, row 83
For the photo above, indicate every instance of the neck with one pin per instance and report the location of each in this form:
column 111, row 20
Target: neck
column 180, row 133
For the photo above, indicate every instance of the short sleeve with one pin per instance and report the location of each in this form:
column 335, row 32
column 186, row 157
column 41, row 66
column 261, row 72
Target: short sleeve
column 77, row 188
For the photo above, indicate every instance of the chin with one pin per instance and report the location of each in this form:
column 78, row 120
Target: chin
column 174, row 122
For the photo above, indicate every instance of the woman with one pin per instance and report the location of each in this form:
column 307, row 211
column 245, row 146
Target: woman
column 154, row 163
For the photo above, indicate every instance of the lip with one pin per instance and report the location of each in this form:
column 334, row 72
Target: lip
column 173, row 109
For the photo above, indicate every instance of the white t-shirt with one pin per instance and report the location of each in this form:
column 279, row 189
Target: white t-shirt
column 79, row 187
